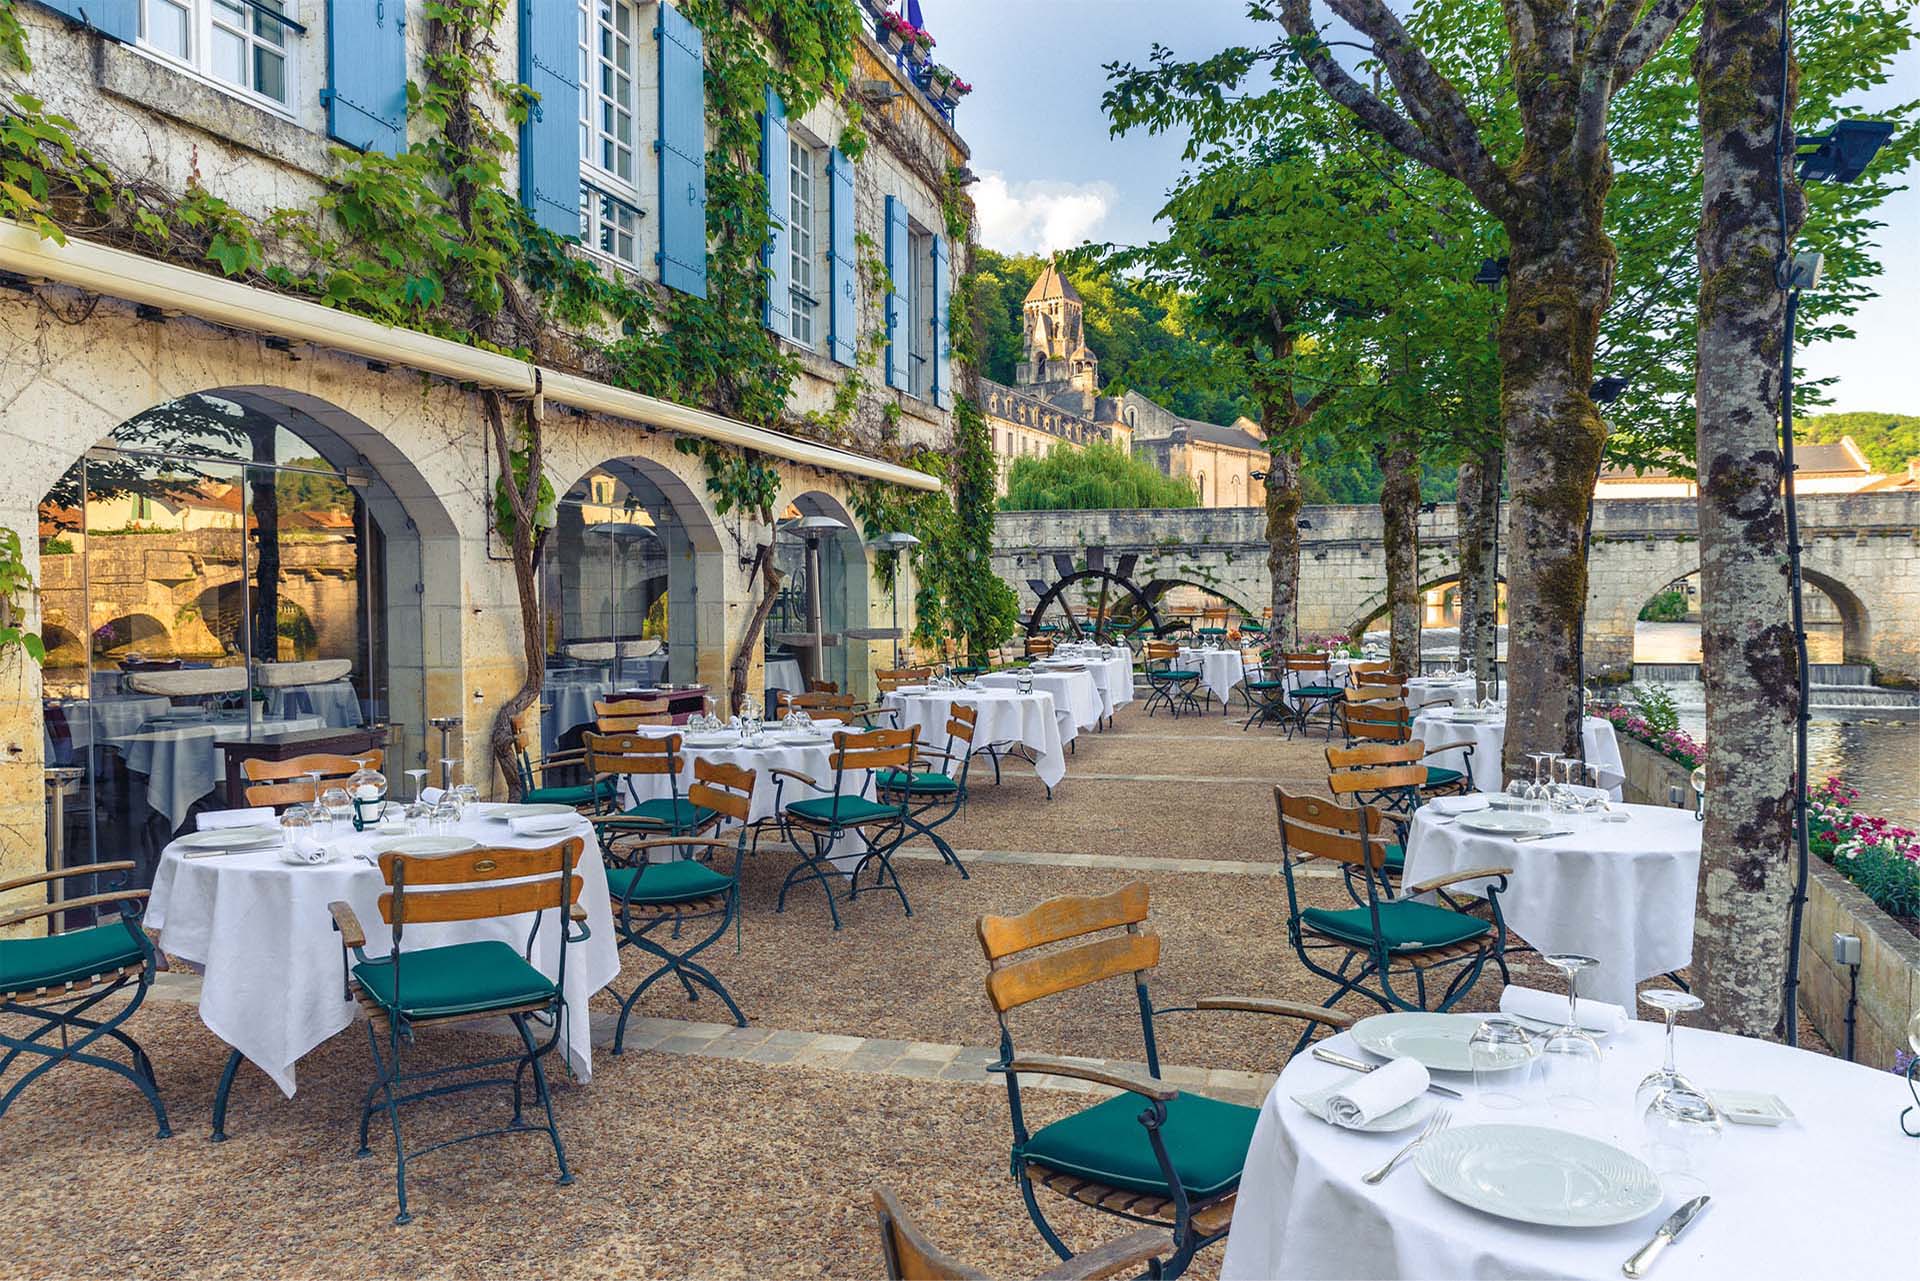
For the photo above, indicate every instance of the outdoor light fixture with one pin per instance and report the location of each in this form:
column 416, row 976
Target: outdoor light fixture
column 1607, row 390
column 1492, row 271
column 896, row 542
column 1842, row 153
column 1803, row 271
column 879, row 92
column 966, row 177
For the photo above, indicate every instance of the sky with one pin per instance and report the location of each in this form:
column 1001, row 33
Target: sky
column 1052, row 177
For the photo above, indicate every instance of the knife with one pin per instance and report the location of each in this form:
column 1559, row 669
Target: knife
column 1340, row 1060
column 1664, row 1236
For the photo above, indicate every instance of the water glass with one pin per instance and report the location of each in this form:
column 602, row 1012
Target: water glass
column 445, row 815
column 463, row 795
column 1570, row 1056
column 338, row 803
column 296, row 827
column 1682, row 1129
column 1502, row 1053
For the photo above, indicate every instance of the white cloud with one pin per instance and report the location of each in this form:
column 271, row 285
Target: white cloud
column 1040, row 217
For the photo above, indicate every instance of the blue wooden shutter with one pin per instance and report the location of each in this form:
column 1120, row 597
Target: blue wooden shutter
column 366, row 93
column 683, row 154
column 843, row 274
column 117, row 18
column 899, row 245
column 942, row 326
column 550, row 139
column 779, row 252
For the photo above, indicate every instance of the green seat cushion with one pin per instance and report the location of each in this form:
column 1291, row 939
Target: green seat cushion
column 30, row 963
column 1395, row 858
column 1266, row 684
column 1205, row 1139
column 1174, row 675
column 898, row 780
column 461, row 978
column 580, row 794
column 1440, row 776
column 674, row 812
column 843, row 809
column 1405, row 927
column 1319, row 691
column 677, row 882
column 970, row 671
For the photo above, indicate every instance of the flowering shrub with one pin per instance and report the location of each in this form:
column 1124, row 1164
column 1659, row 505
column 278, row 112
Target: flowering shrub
column 1675, row 744
column 1878, row 855
column 1335, row 643
column 899, row 26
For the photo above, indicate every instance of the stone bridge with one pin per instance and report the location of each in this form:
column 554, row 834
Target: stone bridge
column 1862, row 553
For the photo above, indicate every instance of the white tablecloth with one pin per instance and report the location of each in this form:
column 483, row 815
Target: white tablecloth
column 336, row 703
column 182, row 764
column 91, row 720
column 570, row 701
column 1076, row 699
column 273, row 985
column 1437, row 728
column 1005, row 716
column 1827, row 1195
column 784, row 673
column 1220, row 669
column 1622, row 893
column 1456, row 691
column 1112, row 677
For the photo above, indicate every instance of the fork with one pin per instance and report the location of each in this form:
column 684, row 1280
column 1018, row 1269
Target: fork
column 1440, row 1120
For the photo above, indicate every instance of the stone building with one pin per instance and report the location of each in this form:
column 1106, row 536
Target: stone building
column 1057, row 402
column 237, row 478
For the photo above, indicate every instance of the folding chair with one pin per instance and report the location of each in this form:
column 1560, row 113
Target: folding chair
column 1313, row 690
column 620, row 759
column 283, row 783
column 649, row 895
column 820, row 821
column 408, row 990
column 1436, row 780
column 888, row 679
column 625, row 715
column 1150, row 1154
column 1168, row 686
column 909, row 1256
column 57, row 980
column 928, row 791
column 1038, row 647
column 1266, row 691
column 1368, row 674
column 1374, row 721
column 596, row 794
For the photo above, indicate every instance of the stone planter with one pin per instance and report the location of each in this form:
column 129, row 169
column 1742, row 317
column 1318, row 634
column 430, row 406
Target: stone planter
column 895, row 42
column 1650, row 776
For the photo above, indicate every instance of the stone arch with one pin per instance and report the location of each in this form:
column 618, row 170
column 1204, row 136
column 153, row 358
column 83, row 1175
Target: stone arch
column 1856, row 620
column 1378, row 605
column 847, row 570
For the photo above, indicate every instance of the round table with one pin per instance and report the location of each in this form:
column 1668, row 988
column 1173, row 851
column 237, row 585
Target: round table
column 272, row 988
column 1004, row 716
column 1457, row 691
column 1826, row 1195
column 1436, row 727
column 1112, row 676
column 1076, row 699
column 181, row 763
column 1622, row 893
column 1220, row 670
column 1338, row 669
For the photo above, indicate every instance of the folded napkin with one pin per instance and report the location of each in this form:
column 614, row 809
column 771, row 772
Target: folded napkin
column 1450, row 805
column 212, row 819
column 1551, row 1007
column 542, row 824
column 311, row 855
column 1367, row 1098
column 432, row 795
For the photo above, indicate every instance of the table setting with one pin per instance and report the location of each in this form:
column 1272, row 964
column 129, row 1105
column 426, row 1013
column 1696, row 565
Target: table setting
column 1026, row 716
column 1559, row 1137
column 245, row 898
column 1485, row 729
column 1110, row 667
column 1076, row 699
column 1590, row 875
column 1220, row 669
column 1455, row 688
column 175, row 751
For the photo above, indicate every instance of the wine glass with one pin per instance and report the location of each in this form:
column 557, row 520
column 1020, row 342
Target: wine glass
column 1566, row 776
column 1502, row 1053
column 419, row 777
column 463, row 794
column 1672, row 1003
column 1682, row 1128
column 296, row 827
column 1570, row 1056
column 446, row 772
column 338, row 803
column 1536, row 792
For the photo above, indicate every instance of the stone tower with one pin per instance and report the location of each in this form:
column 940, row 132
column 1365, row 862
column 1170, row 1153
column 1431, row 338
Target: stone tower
column 1057, row 350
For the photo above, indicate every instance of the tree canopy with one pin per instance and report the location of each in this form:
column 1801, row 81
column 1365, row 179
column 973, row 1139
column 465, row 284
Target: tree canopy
column 1099, row 476
column 1888, row 440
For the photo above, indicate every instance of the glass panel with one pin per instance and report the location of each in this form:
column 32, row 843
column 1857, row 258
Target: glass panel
column 270, row 73
column 167, row 27
column 229, row 56
column 269, row 28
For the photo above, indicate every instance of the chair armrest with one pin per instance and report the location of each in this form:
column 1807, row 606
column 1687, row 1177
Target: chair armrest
column 1115, row 1078
column 1454, row 878
column 680, row 842
column 787, row 773
column 1125, row 1256
column 565, row 760
column 70, row 904
column 347, row 925
column 84, row 869
column 1269, row 1005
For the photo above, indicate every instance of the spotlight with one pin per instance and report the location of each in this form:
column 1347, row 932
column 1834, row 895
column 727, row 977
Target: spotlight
column 1842, row 153
column 1492, row 271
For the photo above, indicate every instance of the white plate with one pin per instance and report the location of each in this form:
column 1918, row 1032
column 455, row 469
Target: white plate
column 807, row 740
column 1532, row 1024
column 547, row 825
column 1436, row 1041
column 728, row 739
column 253, row 836
column 909, row 689
column 1750, row 1107
column 505, row 812
column 423, row 846
column 1504, row 822
column 1407, row 1114
column 1535, row 1175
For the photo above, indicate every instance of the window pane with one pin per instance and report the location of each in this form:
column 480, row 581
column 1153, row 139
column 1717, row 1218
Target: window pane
column 167, row 28
column 270, row 73
column 268, row 27
column 229, row 56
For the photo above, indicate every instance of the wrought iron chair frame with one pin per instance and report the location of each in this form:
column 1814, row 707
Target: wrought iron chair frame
column 817, row 864
column 959, row 728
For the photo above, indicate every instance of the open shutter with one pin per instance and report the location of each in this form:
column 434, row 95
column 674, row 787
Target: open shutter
column 843, row 276
column 942, row 328
column 683, row 154
column 899, row 245
column 366, row 92
column 117, row 18
column 550, row 139
column 779, row 255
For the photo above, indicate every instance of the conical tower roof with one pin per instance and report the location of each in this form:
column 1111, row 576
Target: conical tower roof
column 1052, row 284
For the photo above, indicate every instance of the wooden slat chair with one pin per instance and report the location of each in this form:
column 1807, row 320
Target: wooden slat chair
column 648, row 895
column 1370, row 667
column 1437, row 780
column 909, row 1256
column 56, row 981
column 1038, row 647
column 1392, row 792
column 826, row 703
column 1266, row 691
column 625, row 715
column 1168, row 685
column 1313, row 689
column 1371, row 675
column 410, row 989
column 1389, row 938
column 942, row 791
column 284, row 783
column 592, row 795
column 1151, row 1154
column 621, row 758
column 1375, row 721
column 888, row 679
column 813, row 825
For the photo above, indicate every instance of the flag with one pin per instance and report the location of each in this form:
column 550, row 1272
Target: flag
column 913, row 13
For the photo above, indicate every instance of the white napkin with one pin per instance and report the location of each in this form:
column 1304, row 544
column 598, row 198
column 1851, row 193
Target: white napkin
column 542, row 824
column 1450, row 805
column 1368, row 1098
column 1551, row 1007
column 311, row 855
column 432, row 795
column 212, row 819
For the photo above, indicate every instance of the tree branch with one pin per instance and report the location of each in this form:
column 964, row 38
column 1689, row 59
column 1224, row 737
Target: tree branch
column 1297, row 17
column 1647, row 38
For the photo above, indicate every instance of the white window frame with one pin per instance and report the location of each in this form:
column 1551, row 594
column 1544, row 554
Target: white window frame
column 610, row 208
column 921, row 339
column 804, row 170
column 198, row 60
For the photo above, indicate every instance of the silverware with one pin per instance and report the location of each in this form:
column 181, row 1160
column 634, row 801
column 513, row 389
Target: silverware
column 1356, row 1065
column 1437, row 1123
column 1541, row 836
column 1663, row 1236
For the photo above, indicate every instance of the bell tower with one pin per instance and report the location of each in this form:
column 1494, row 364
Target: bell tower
column 1056, row 345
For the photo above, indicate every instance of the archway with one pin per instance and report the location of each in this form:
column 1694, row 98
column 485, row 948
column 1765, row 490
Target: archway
column 835, row 607
column 1667, row 624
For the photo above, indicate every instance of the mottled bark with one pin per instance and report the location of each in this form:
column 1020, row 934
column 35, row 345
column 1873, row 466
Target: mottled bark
column 1283, row 542
column 1400, row 521
column 1476, row 522
column 522, row 500
column 1747, row 645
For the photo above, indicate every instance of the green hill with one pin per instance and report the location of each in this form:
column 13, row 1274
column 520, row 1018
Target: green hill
column 1887, row 440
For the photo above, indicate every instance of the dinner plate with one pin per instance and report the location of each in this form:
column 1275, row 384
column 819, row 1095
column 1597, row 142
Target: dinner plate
column 506, row 812
column 807, row 740
column 253, row 836
column 1532, row 1174
column 728, row 739
column 1436, row 1041
column 1454, row 806
column 1504, row 822
column 909, row 689
column 423, row 846
column 1410, row 1113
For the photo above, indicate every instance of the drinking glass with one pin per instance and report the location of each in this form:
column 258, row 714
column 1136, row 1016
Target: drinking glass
column 447, row 764
column 1566, row 777
column 1598, row 801
column 296, row 827
column 1672, row 1003
column 1682, row 1128
column 338, row 802
column 464, row 794
column 419, row 777
column 1538, row 791
column 1502, row 1053
column 1570, row 1056
column 445, row 815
